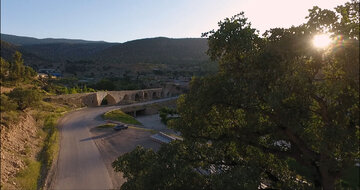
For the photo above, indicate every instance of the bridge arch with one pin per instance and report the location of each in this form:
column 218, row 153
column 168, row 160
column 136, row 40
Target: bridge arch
column 126, row 97
column 137, row 97
column 146, row 96
column 154, row 95
column 108, row 100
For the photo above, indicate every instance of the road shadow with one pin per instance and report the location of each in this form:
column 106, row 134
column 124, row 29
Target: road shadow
column 108, row 134
column 99, row 118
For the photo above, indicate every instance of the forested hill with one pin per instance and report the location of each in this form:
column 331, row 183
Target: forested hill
column 156, row 50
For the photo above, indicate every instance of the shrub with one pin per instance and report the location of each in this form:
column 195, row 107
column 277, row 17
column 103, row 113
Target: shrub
column 7, row 104
column 25, row 97
column 28, row 177
column 165, row 112
column 9, row 117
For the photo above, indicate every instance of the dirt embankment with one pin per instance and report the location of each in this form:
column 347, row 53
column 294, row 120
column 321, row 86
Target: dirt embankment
column 18, row 143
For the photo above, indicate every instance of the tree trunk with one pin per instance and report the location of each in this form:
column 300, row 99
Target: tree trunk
column 328, row 184
column 327, row 181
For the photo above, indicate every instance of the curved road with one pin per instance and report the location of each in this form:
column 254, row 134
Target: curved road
column 80, row 165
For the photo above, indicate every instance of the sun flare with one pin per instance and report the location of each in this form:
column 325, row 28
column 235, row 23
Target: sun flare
column 321, row 40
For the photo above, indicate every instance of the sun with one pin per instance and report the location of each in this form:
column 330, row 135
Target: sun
column 321, row 40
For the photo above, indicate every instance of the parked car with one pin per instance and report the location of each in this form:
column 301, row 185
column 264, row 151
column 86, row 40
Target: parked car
column 120, row 127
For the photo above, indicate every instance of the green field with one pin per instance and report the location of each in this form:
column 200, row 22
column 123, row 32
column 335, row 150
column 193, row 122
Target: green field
column 118, row 115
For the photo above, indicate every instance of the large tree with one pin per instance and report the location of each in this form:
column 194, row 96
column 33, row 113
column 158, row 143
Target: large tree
column 279, row 114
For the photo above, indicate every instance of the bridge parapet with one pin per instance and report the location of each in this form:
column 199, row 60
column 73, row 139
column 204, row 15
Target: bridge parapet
column 109, row 97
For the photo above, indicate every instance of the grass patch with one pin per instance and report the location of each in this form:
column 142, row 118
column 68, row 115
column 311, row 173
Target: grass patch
column 10, row 117
column 51, row 143
column 28, row 177
column 106, row 126
column 119, row 115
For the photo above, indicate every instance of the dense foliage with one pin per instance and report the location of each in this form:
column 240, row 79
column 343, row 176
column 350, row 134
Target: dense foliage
column 280, row 113
column 25, row 97
column 58, row 89
column 7, row 104
column 104, row 84
column 16, row 73
column 166, row 114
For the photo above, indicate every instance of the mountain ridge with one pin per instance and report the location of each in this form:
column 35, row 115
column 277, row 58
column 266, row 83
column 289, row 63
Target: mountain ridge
column 25, row 40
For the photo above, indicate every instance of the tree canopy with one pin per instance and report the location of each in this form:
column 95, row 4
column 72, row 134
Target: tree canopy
column 279, row 114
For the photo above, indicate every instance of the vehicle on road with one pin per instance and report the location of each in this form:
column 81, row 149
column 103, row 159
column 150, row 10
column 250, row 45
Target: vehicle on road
column 120, row 127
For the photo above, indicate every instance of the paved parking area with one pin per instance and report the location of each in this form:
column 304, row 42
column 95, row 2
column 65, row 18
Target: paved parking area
column 112, row 144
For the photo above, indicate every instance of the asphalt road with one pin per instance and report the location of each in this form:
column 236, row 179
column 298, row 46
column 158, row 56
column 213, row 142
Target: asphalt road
column 80, row 165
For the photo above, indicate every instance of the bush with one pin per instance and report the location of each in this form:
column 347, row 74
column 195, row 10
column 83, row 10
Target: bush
column 7, row 104
column 28, row 177
column 165, row 112
column 10, row 117
column 25, row 97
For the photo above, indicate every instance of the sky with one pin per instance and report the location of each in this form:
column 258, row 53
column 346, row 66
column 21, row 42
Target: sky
column 125, row 20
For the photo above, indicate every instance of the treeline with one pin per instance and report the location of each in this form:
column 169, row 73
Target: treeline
column 60, row 89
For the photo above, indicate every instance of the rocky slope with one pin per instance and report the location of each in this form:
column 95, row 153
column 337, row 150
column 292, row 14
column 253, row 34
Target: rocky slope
column 19, row 142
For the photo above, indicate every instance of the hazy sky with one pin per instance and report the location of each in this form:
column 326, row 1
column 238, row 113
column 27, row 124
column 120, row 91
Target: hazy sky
column 124, row 20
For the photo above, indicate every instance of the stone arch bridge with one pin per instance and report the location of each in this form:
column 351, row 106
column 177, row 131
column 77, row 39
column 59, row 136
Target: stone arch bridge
column 112, row 97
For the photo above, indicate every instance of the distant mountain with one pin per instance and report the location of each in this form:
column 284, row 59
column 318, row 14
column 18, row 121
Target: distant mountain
column 100, row 59
column 22, row 40
column 57, row 50
column 157, row 51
